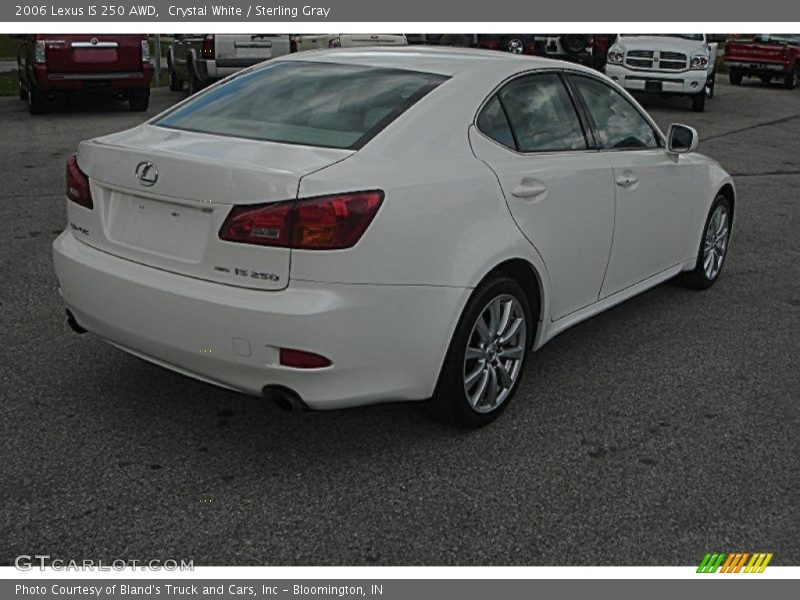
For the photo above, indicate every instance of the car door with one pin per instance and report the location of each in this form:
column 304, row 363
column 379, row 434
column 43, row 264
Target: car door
column 654, row 189
column 559, row 192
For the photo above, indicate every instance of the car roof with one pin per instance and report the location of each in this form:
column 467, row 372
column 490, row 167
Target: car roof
column 442, row 60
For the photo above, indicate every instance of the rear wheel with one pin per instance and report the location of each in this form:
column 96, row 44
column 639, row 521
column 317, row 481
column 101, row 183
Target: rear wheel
column 484, row 364
column 23, row 95
column 713, row 246
column 765, row 79
column 37, row 102
column 790, row 81
column 711, row 84
column 175, row 82
column 139, row 100
column 735, row 77
column 194, row 83
column 699, row 102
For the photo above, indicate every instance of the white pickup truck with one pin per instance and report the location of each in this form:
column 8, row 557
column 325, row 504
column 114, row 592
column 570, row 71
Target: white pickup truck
column 679, row 64
column 200, row 59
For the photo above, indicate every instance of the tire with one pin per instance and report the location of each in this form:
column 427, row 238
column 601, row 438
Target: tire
column 699, row 102
column 514, row 44
column 765, row 79
column 716, row 237
column 23, row 95
column 37, row 102
column 711, row 85
column 790, row 81
column 194, row 83
column 175, row 82
column 139, row 100
column 471, row 393
column 735, row 77
column 574, row 44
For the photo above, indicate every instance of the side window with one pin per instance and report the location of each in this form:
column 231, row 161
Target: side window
column 493, row 122
column 618, row 123
column 541, row 114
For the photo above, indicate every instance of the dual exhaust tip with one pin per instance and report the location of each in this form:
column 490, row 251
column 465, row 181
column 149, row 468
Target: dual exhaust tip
column 284, row 398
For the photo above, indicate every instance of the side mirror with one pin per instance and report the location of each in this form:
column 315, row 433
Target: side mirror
column 682, row 139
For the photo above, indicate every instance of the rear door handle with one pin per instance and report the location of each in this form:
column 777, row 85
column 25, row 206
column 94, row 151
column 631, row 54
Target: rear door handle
column 627, row 180
column 529, row 189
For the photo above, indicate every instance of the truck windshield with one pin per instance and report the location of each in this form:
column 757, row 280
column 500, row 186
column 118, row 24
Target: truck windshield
column 308, row 103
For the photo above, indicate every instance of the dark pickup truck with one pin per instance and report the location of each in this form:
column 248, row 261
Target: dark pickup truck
column 766, row 56
column 51, row 65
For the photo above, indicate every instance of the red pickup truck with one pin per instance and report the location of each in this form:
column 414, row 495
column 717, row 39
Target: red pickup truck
column 57, row 64
column 767, row 56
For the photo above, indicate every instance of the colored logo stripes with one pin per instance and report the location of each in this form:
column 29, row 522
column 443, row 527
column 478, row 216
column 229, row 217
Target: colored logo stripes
column 734, row 562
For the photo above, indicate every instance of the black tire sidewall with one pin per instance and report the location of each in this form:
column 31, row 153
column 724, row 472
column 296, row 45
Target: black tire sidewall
column 450, row 400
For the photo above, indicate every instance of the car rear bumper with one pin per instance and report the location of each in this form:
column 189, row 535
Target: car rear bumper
column 685, row 82
column 385, row 342
column 757, row 68
column 208, row 70
column 89, row 81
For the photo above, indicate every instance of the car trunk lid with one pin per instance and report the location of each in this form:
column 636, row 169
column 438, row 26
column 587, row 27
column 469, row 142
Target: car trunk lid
column 161, row 195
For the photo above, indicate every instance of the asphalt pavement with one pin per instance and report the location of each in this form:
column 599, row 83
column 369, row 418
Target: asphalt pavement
column 659, row 430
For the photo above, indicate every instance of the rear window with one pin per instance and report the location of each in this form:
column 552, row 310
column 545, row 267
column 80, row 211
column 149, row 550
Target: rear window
column 307, row 103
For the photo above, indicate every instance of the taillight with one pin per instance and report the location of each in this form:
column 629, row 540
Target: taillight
column 145, row 51
column 299, row 359
column 78, row 184
column 321, row 223
column 40, row 52
column 208, row 46
column 292, row 43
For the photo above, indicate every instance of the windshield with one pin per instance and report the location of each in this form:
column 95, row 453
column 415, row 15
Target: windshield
column 766, row 38
column 695, row 37
column 313, row 104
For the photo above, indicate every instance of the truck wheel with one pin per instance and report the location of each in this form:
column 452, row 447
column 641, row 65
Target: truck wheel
column 765, row 79
column 139, row 100
column 790, row 82
column 735, row 77
column 23, row 95
column 710, row 85
column 37, row 102
column 514, row 44
column 175, row 82
column 574, row 44
column 194, row 83
column 699, row 102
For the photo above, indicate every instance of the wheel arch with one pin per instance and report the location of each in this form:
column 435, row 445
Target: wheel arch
column 730, row 194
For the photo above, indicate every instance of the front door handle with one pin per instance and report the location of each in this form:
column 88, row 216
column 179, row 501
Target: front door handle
column 529, row 189
column 627, row 180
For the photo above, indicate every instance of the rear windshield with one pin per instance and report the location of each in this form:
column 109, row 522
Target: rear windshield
column 308, row 103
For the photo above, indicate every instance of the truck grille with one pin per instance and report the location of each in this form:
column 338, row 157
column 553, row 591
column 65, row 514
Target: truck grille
column 657, row 61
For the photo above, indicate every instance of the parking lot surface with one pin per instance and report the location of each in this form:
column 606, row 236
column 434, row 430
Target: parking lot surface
column 648, row 435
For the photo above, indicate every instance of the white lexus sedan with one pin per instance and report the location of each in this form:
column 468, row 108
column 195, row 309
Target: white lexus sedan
column 355, row 226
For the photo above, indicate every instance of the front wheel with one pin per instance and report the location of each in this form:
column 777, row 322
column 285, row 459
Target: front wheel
column 699, row 102
column 735, row 77
column 713, row 246
column 486, row 357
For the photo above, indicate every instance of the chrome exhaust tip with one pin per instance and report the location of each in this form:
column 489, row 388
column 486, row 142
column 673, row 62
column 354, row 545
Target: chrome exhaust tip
column 284, row 398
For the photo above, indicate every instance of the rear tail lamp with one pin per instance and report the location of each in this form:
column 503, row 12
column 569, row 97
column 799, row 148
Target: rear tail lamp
column 78, row 184
column 145, row 51
column 208, row 46
column 299, row 359
column 321, row 223
column 40, row 52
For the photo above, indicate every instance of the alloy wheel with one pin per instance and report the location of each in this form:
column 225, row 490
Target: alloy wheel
column 495, row 352
column 716, row 243
column 515, row 46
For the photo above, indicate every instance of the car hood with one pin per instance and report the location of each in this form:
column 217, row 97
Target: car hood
column 662, row 44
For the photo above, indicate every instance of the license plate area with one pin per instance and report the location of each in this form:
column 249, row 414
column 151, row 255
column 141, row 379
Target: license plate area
column 653, row 86
column 167, row 229
column 94, row 55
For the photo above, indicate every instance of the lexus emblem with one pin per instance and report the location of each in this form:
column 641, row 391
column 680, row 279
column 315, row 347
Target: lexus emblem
column 146, row 173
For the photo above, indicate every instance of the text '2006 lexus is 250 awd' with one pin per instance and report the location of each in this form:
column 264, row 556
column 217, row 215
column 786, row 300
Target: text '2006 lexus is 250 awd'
column 354, row 226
